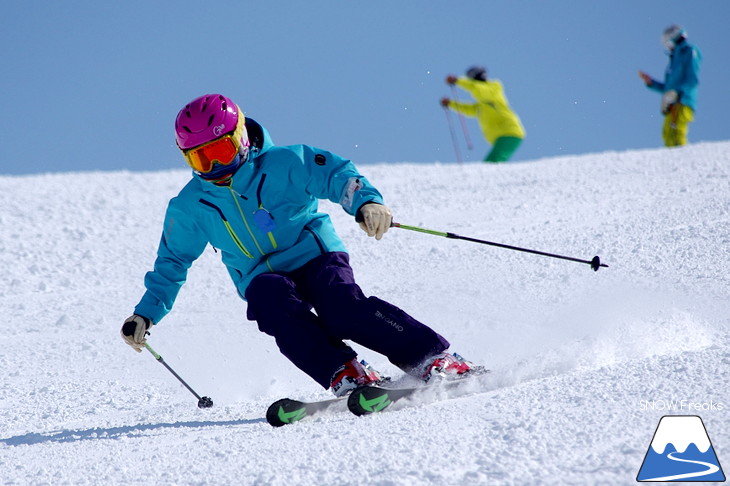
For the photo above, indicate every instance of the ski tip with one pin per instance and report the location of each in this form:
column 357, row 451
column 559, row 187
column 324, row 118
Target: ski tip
column 366, row 400
column 285, row 411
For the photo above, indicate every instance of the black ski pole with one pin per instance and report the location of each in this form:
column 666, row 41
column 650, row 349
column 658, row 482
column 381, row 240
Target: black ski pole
column 461, row 119
column 453, row 135
column 203, row 402
column 595, row 263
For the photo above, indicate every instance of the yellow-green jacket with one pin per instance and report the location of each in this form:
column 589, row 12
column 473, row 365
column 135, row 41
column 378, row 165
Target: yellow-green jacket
column 491, row 109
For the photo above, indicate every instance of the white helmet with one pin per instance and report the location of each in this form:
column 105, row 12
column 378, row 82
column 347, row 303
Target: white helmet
column 671, row 35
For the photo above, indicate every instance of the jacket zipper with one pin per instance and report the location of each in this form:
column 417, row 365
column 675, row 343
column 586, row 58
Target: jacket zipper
column 235, row 238
column 272, row 240
column 248, row 228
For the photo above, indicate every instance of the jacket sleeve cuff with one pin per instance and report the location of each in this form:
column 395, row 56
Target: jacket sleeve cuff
column 359, row 218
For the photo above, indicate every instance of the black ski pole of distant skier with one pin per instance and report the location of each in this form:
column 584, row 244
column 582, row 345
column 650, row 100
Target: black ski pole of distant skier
column 203, row 402
column 453, row 135
column 595, row 263
column 461, row 119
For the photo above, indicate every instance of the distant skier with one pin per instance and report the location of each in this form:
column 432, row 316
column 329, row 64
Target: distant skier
column 256, row 203
column 679, row 89
column 500, row 125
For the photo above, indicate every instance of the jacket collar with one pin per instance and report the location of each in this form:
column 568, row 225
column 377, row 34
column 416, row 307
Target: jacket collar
column 260, row 143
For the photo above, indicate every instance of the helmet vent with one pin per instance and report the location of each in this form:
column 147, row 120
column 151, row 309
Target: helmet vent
column 207, row 116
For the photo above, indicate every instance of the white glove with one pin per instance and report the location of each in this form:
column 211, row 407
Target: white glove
column 374, row 219
column 668, row 99
column 134, row 331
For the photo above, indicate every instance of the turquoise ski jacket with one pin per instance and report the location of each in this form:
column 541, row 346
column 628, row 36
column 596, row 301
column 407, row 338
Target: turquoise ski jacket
column 267, row 220
column 682, row 74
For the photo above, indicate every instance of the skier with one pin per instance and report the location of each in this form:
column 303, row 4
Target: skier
column 500, row 125
column 679, row 89
column 257, row 204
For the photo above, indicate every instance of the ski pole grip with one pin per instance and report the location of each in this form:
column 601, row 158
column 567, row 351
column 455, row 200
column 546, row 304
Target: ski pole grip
column 420, row 230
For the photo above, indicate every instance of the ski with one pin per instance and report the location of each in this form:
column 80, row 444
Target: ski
column 369, row 399
column 287, row 411
column 362, row 401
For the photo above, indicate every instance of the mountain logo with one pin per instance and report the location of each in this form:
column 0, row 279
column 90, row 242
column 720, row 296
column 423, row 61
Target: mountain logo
column 681, row 451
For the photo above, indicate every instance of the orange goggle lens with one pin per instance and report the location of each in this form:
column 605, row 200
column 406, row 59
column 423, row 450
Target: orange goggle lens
column 222, row 150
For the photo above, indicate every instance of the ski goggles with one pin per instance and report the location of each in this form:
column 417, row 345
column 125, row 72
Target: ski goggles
column 222, row 150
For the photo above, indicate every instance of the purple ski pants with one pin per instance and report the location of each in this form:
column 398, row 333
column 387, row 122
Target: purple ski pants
column 283, row 304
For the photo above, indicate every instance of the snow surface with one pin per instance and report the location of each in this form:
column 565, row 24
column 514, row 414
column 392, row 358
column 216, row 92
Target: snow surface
column 584, row 363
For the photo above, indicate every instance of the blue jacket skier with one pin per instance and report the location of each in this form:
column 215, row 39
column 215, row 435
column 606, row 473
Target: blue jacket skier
column 679, row 89
column 256, row 203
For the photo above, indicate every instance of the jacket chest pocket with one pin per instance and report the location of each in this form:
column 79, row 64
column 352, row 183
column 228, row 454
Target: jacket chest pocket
column 262, row 217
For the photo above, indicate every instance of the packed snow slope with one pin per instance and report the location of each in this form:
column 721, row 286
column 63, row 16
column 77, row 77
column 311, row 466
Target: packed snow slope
column 584, row 363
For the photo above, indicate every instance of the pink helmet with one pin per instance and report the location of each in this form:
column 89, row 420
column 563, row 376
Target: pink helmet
column 204, row 119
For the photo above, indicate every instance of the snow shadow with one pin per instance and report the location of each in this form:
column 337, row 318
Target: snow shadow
column 97, row 433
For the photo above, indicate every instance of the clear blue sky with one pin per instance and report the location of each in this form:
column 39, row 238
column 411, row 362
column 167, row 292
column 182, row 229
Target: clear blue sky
column 96, row 85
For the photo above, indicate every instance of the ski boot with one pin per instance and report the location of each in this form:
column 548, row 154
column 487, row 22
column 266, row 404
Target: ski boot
column 446, row 366
column 353, row 374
